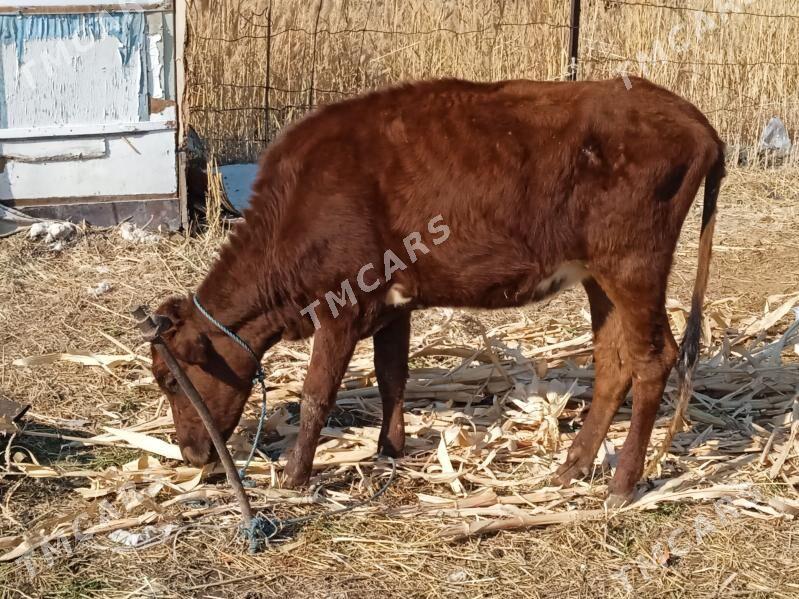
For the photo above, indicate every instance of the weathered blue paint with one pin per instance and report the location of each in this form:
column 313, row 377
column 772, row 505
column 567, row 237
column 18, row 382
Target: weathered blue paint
column 128, row 28
column 3, row 107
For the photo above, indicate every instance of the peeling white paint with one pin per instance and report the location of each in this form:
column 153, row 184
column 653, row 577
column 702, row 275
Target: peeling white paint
column 60, row 83
column 75, row 101
column 144, row 166
column 167, row 115
column 156, row 71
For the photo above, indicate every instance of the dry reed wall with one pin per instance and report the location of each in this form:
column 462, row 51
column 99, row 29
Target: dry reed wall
column 255, row 66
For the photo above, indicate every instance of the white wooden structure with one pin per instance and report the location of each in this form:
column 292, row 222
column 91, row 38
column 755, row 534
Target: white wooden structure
column 89, row 123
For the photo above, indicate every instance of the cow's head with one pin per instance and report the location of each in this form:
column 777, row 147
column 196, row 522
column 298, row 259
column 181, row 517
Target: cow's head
column 221, row 371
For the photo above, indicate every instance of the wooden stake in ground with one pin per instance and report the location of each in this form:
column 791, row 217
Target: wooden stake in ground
column 152, row 334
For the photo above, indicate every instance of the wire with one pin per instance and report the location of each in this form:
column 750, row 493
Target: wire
column 702, row 10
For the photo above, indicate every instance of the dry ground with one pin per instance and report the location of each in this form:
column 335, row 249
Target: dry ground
column 45, row 307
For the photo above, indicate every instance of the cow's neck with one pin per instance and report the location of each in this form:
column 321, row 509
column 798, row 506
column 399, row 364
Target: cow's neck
column 230, row 293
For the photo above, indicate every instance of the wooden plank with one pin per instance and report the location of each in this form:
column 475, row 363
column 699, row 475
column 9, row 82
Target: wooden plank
column 137, row 164
column 143, row 213
column 39, row 7
column 180, row 24
column 20, row 203
column 183, row 189
column 86, row 130
column 82, row 148
column 180, row 67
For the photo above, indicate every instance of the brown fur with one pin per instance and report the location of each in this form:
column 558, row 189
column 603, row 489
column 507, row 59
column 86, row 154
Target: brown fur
column 526, row 176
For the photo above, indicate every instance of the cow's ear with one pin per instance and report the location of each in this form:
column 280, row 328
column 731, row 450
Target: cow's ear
column 174, row 309
column 178, row 330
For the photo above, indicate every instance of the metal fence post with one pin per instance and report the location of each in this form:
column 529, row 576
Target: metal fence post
column 574, row 39
column 268, row 75
column 313, row 57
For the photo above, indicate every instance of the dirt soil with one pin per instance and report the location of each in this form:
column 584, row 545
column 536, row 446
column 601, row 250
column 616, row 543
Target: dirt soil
column 46, row 305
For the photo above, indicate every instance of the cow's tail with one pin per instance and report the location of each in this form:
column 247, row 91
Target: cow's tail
column 689, row 348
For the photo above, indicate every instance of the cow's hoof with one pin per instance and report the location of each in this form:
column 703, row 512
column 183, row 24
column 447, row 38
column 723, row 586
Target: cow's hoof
column 615, row 501
column 571, row 469
column 293, row 479
column 294, row 483
column 565, row 478
column 390, row 450
column 391, row 456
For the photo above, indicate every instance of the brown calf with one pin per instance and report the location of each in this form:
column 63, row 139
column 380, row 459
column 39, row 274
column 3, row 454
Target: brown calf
column 489, row 195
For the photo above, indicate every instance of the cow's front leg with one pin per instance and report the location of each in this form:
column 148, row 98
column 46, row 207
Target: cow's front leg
column 332, row 350
column 391, row 367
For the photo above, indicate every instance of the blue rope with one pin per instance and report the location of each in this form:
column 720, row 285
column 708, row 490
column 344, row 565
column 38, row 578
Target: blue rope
column 258, row 379
column 229, row 333
column 264, row 528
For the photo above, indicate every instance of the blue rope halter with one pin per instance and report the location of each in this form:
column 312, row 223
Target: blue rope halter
column 258, row 379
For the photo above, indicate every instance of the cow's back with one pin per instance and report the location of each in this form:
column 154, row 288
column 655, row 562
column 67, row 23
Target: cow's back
column 526, row 175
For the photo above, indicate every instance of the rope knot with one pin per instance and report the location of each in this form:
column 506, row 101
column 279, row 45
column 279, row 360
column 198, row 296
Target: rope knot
column 262, row 530
column 260, row 377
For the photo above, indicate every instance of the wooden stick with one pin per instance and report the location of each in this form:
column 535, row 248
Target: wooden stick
column 69, row 439
column 479, row 527
column 152, row 334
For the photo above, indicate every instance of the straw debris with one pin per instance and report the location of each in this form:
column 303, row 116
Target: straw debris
column 494, row 401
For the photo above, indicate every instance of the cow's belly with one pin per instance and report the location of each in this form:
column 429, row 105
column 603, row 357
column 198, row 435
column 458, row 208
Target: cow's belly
column 480, row 291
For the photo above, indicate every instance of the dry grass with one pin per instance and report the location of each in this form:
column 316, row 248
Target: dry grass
column 740, row 70
column 45, row 307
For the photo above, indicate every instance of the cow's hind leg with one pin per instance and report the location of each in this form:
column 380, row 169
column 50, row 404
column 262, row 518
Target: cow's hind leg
column 391, row 367
column 612, row 382
column 332, row 350
column 652, row 352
